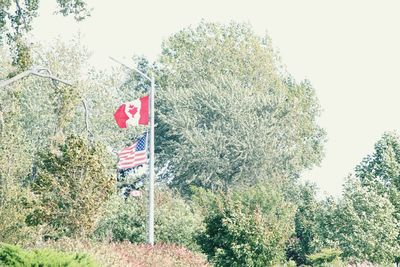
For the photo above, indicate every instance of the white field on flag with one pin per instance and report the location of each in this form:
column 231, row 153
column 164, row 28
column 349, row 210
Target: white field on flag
column 133, row 155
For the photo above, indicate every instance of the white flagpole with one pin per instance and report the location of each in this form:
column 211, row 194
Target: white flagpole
column 150, row 229
column 151, row 167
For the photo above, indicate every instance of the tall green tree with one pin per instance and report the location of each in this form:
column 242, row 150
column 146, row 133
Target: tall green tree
column 380, row 171
column 361, row 224
column 15, row 164
column 227, row 111
column 16, row 18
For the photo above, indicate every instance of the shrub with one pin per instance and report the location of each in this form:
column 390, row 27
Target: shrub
column 126, row 220
column 15, row 256
column 72, row 184
column 159, row 255
column 128, row 254
column 325, row 256
column 15, row 205
column 248, row 228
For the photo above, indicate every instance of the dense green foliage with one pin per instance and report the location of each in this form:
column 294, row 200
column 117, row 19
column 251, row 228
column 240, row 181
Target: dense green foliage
column 305, row 240
column 325, row 257
column 361, row 224
column 228, row 113
column 36, row 117
column 71, row 185
column 15, row 256
column 380, row 172
column 16, row 16
column 125, row 220
column 248, row 227
column 16, row 20
column 15, row 164
column 382, row 168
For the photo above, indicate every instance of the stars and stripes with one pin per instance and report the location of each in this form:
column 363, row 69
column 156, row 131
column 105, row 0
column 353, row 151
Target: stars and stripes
column 133, row 155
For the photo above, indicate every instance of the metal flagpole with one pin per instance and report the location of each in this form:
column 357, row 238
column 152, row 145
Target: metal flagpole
column 151, row 166
column 150, row 233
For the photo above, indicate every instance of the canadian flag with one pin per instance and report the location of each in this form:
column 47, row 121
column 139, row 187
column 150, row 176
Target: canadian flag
column 133, row 113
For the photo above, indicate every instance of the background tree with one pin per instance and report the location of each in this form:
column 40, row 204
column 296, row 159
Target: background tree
column 38, row 114
column 229, row 113
column 383, row 165
column 362, row 225
column 16, row 16
column 176, row 221
column 16, row 19
column 15, row 164
column 305, row 240
column 380, row 171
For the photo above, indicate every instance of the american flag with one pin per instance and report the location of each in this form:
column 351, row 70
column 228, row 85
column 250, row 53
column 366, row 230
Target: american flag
column 133, row 155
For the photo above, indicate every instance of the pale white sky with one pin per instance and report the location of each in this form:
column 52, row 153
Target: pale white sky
column 350, row 50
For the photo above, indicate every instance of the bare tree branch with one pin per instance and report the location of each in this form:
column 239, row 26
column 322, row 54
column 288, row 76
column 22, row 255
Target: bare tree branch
column 21, row 13
column 6, row 12
column 36, row 72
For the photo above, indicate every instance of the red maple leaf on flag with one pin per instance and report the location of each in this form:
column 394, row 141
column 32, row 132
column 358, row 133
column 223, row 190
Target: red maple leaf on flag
column 133, row 113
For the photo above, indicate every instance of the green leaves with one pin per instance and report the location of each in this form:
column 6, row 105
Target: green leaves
column 247, row 227
column 15, row 256
column 19, row 15
column 125, row 220
column 226, row 114
column 326, row 256
column 382, row 169
column 76, row 7
column 71, row 185
column 362, row 225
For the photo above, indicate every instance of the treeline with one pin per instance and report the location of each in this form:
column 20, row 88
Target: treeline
column 234, row 131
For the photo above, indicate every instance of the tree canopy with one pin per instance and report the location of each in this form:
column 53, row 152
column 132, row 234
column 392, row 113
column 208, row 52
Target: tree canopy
column 362, row 225
column 229, row 113
column 16, row 20
column 16, row 16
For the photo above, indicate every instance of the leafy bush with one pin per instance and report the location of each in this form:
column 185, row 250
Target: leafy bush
column 14, row 256
column 325, row 256
column 125, row 220
column 248, row 228
column 128, row 254
column 72, row 184
column 159, row 255
column 15, row 205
